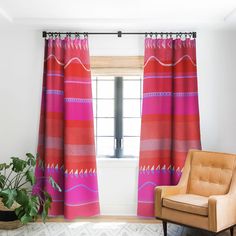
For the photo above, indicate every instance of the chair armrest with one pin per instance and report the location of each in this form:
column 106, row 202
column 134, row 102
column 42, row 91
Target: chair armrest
column 221, row 211
column 163, row 191
column 180, row 188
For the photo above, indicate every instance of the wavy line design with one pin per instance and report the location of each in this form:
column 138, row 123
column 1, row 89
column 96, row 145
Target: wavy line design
column 145, row 184
column 148, row 202
column 77, row 59
column 81, row 185
column 170, row 105
column 53, row 56
column 66, row 105
column 80, row 204
column 171, row 64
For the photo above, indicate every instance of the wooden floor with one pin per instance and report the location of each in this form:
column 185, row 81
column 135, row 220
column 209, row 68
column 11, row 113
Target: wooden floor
column 173, row 230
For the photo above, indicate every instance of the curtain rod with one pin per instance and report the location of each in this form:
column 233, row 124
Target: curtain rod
column 119, row 33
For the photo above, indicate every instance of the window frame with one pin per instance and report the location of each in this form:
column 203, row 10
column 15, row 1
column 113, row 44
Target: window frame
column 118, row 67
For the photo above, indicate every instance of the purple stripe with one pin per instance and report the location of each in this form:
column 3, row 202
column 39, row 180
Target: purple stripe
column 79, row 150
column 163, row 105
column 170, row 74
column 53, row 142
column 54, row 75
column 56, row 92
column 79, row 111
column 155, row 144
column 164, row 94
column 168, row 144
column 78, row 100
column 169, row 77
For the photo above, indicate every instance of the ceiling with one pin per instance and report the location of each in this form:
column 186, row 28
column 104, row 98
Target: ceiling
column 118, row 14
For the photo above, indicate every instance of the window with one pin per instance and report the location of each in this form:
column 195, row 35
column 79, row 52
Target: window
column 117, row 112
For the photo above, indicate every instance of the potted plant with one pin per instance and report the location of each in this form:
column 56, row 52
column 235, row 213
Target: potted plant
column 18, row 204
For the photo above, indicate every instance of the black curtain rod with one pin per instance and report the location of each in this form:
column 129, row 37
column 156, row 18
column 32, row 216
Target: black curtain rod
column 119, row 33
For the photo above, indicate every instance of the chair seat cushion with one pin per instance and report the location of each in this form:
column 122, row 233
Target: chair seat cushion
column 190, row 203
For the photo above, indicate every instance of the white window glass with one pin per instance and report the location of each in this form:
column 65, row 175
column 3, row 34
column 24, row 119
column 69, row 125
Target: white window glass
column 105, row 146
column 105, row 108
column 94, row 108
column 105, row 127
column 94, row 89
column 131, row 89
column 131, row 126
column 105, row 88
column 131, row 108
column 131, row 146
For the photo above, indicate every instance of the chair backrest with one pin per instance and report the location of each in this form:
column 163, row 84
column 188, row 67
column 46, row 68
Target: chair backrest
column 210, row 173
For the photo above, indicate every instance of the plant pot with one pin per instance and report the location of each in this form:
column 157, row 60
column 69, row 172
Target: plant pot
column 8, row 218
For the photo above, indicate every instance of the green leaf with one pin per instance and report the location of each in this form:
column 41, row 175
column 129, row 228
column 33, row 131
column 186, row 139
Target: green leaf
column 18, row 164
column 2, row 181
column 4, row 166
column 31, row 156
column 33, row 208
column 22, row 197
column 20, row 211
column 47, row 196
column 8, row 197
column 30, row 177
column 54, row 184
column 31, row 159
column 46, row 206
column 25, row 218
column 31, row 162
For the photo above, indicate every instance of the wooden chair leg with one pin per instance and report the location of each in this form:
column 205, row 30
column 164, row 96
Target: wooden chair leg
column 232, row 231
column 164, row 224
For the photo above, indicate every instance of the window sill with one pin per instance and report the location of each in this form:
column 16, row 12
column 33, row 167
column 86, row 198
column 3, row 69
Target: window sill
column 128, row 162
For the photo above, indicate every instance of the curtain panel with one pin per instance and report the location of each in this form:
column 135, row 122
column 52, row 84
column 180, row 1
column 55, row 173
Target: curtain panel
column 66, row 135
column 170, row 115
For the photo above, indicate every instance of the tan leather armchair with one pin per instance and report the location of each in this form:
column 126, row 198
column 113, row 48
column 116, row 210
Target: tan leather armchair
column 205, row 197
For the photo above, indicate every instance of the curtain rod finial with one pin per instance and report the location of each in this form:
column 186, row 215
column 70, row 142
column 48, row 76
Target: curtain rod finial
column 194, row 35
column 44, row 34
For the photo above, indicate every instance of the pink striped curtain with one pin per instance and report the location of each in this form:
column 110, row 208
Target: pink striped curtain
column 66, row 137
column 170, row 116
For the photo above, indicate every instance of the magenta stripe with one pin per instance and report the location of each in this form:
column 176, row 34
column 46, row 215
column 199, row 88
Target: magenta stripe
column 162, row 105
column 54, row 103
column 157, row 105
column 79, row 111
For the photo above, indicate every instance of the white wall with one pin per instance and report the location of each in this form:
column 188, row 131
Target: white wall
column 21, row 60
column 217, row 85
